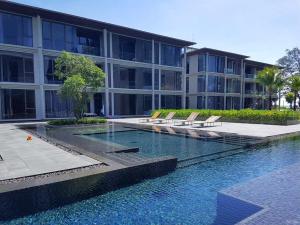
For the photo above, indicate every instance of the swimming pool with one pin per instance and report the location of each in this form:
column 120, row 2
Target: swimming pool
column 186, row 196
column 153, row 144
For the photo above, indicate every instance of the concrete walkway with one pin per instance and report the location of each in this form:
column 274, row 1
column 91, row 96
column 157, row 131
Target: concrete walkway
column 26, row 158
column 254, row 130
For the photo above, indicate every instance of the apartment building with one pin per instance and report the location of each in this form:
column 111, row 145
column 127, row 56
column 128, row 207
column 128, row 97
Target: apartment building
column 223, row 80
column 143, row 70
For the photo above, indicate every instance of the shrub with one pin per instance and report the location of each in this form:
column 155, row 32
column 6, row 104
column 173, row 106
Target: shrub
column 90, row 120
column 244, row 115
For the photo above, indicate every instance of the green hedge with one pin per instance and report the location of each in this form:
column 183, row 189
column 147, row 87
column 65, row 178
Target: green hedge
column 244, row 115
column 86, row 120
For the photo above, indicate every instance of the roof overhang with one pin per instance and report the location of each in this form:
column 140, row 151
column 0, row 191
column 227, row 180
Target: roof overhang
column 81, row 21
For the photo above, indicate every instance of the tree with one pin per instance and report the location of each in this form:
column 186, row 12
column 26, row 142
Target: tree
column 290, row 62
column 289, row 97
column 80, row 75
column 272, row 79
column 294, row 85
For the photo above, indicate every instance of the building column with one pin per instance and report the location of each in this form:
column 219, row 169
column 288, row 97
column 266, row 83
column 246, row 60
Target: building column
column 159, row 75
column 39, row 68
column 206, row 80
column 184, row 79
column 225, row 82
column 153, row 75
column 92, row 103
column 242, row 99
column 106, row 106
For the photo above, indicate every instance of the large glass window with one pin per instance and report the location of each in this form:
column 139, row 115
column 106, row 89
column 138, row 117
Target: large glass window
column 73, row 39
column 156, row 80
column 132, row 78
column 233, row 85
column 171, row 80
column 215, row 102
column 232, row 102
column 15, row 30
column 49, row 68
column 233, row 67
column 170, row 55
column 132, row 104
column 17, row 68
column 156, row 53
column 132, row 49
column 56, row 107
column 200, row 102
column 171, row 102
column 216, row 64
column 201, row 83
column 201, row 63
column 250, row 88
column 215, row 84
column 17, row 104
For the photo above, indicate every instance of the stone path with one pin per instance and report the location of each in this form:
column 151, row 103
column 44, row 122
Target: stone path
column 25, row 158
column 254, row 130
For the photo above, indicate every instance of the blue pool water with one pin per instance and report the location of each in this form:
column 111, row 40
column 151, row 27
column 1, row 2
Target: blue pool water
column 154, row 144
column 186, row 196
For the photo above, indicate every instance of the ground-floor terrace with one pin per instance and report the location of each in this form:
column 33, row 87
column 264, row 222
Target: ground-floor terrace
column 59, row 166
column 33, row 104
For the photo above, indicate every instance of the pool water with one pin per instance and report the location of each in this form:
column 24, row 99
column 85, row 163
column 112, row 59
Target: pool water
column 186, row 196
column 154, row 144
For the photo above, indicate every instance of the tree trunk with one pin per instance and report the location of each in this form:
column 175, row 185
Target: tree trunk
column 279, row 100
column 295, row 100
column 270, row 101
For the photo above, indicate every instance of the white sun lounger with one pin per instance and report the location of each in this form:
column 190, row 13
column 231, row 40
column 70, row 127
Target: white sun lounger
column 209, row 122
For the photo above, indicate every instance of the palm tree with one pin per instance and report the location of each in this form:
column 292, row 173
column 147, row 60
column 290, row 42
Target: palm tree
column 272, row 79
column 289, row 97
column 294, row 85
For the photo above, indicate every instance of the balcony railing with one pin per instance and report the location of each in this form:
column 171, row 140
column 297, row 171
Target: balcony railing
column 250, row 76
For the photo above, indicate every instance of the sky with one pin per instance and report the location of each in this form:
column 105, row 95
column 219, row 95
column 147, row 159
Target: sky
column 262, row 29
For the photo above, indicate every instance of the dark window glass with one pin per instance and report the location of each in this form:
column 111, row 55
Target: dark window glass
column 156, row 99
column 187, row 67
column 200, row 102
column 132, row 104
column 170, row 55
column 156, row 52
column 56, row 107
column 17, row 104
column 49, row 68
column 132, row 78
column 15, row 29
column 156, row 80
column 17, row 69
column 215, row 102
column 201, row 63
column 201, row 83
column 233, row 86
column 187, row 88
column 233, row 67
column 171, row 102
column 132, row 49
column 171, row 80
column 250, row 88
column 74, row 39
column 216, row 64
column 232, row 103
column 215, row 84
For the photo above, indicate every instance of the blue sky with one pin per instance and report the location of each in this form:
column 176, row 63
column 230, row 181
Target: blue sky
column 262, row 29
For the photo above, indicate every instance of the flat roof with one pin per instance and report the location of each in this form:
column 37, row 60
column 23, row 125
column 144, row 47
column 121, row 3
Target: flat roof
column 217, row 52
column 262, row 64
column 81, row 21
